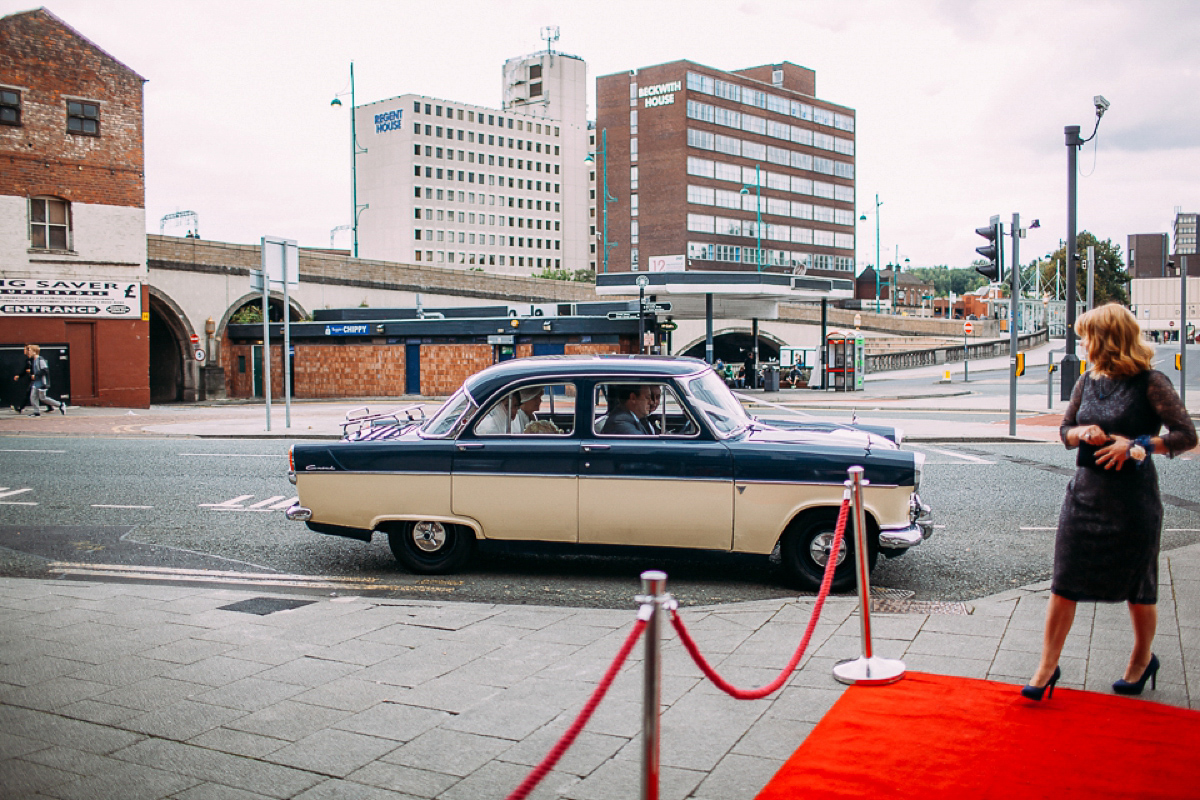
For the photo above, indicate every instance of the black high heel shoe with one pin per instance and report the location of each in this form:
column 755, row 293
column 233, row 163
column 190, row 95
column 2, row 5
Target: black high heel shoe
column 1035, row 692
column 1150, row 673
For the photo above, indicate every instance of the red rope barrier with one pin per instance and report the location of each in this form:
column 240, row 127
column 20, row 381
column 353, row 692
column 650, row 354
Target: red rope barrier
column 564, row 743
column 756, row 694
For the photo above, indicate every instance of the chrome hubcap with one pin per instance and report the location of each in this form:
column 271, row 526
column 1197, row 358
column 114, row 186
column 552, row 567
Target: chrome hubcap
column 821, row 546
column 429, row 536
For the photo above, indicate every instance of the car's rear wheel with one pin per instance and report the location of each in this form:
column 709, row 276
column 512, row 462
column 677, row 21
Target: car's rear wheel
column 806, row 546
column 428, row 547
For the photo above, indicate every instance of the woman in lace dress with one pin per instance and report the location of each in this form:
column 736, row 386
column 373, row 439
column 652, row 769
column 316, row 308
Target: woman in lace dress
column 1106, row 549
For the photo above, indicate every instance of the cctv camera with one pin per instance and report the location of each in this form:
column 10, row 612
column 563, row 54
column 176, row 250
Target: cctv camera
column 1101, row 104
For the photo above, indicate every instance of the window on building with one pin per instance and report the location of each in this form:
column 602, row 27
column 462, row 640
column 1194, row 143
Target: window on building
column 633, row 178
column 83, row 118
column 10, row 107
column 49, row 224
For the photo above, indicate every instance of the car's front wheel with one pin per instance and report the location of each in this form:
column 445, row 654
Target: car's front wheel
column 806, row 546
column 431, row 548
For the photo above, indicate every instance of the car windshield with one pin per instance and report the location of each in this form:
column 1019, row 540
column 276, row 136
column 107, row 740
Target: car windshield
column 447, row 420
column 713, row 399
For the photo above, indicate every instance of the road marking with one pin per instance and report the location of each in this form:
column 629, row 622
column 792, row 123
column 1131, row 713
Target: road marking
column 1183, row 530
column 290, row 581
column 237, row 455
column 33, row 451
column 266, row 502
column 1030, row 528
column 105, row 505
column 277, row 503
column 6, row 492
column 963, row 456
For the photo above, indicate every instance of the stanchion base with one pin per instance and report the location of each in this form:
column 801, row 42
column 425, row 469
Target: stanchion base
column 872, row 671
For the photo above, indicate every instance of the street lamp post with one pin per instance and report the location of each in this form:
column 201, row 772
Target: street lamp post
column 642, row 283
column 1070, row 362
column 863, row 218
column 757, row 216
column 355, row 149
column 607, row 198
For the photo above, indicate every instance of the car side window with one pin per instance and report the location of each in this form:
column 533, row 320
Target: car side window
column 538, row 410
column 640, row 409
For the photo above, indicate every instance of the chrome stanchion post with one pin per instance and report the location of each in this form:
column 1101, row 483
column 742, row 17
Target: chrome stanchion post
column 868, row 670
column 653, row 599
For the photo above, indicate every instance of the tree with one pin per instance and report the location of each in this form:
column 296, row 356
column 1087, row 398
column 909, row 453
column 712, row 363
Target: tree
column 1111, row 277
column 946, row 280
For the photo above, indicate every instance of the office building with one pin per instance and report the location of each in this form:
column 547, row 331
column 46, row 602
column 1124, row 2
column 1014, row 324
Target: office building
column 463, row 186
column 714, row 170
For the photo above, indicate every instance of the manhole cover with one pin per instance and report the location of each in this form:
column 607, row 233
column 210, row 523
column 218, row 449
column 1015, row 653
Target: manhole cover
column 266, row 605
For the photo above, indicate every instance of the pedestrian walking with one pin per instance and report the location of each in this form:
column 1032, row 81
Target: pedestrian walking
column 1106, row 547
column 41, row 384
column 22, row 382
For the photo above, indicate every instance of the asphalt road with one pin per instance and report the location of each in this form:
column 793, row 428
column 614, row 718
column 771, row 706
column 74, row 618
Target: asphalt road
column 215, row 506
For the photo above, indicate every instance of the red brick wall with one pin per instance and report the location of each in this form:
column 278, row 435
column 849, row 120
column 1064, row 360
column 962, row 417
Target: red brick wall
column 48, row 62
column 597, row 349
column 353, row 370
column 444, row 367
column 121, row 353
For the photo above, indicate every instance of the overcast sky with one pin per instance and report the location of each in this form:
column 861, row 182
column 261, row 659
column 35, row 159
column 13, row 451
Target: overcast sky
column 961, row 105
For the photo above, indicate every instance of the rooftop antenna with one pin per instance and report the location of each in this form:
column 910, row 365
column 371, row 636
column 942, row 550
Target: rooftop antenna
column 550, row 34
column 182, row 218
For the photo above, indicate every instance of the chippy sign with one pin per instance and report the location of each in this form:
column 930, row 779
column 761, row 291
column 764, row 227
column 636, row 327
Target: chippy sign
column 55, row 297
column 346, row 330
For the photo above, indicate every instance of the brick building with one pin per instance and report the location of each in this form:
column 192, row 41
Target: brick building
column 725, row 170
column 72, row 212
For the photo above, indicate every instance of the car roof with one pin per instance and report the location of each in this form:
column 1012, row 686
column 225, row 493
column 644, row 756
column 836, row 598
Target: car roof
column 620, row 367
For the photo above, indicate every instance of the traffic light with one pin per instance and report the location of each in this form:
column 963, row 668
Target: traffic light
column 992, row 251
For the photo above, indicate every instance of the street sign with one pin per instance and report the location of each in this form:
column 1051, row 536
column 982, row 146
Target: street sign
column 968, row 327
column 195, row 338
column 657, row 308
column 669, row 325
column 622, row 315
column 199, row 354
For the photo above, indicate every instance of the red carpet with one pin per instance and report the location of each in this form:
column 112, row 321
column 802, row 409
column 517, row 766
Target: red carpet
column 930, row 737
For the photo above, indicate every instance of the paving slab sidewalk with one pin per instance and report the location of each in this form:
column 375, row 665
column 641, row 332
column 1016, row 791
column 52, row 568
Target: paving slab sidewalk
column 162, row 690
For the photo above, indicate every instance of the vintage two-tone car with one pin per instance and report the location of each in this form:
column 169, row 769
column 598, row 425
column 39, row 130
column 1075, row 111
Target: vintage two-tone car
column 601, row 451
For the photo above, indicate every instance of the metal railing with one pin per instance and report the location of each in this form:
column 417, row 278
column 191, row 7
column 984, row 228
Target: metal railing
column 950, row 354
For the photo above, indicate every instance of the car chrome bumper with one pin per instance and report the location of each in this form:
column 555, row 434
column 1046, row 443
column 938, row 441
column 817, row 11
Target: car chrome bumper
column 292, row 477
column 919, row 528
column 298, row 513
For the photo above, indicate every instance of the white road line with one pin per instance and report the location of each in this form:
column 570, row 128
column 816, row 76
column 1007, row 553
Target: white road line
column 266, row 502
column 33, row 451
column 15, row 503
column 286, row 504
column 6, row 492
column 233, row 504
column 105, row 505
column 962, row 456
column 237, row 455
column 1182, row 530
column 1028, row 528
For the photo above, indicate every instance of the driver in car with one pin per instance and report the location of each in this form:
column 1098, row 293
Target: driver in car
column 630, row 406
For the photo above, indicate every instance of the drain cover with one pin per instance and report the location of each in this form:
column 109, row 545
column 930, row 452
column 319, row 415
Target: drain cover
column 266, row 605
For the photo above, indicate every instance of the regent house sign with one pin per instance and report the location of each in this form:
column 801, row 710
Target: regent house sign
column 661, row 95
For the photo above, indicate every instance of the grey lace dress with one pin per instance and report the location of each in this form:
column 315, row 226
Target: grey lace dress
column 1106, row 548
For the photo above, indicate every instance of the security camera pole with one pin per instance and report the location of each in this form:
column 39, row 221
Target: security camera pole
column 1070, row 362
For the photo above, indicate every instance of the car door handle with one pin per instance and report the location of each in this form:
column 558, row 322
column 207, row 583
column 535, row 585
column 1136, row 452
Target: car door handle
column 470, row 446
column 591, row 448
